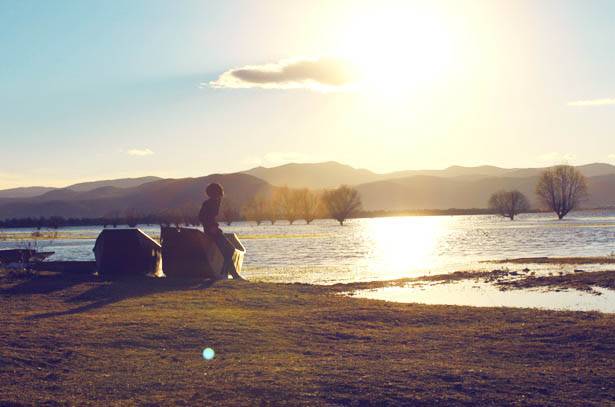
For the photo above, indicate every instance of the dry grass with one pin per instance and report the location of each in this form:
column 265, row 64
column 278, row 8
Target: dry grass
column 77, row 341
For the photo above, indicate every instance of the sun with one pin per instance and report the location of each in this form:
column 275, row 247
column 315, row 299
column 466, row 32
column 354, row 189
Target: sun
column 396, row 49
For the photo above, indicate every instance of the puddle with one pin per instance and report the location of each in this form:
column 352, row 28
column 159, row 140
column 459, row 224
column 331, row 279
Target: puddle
column 485, row 295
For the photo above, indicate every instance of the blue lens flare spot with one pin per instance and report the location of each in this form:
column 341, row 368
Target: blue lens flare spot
column 208, row 353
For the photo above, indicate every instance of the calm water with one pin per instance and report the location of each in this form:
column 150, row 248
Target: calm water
column 383, row 248
column 485, row 295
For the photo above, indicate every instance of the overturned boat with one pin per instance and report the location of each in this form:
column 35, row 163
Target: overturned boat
column 127, row 253
column 191, row 253
column 182, row 253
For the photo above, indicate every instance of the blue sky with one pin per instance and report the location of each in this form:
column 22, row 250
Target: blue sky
column 93, row 90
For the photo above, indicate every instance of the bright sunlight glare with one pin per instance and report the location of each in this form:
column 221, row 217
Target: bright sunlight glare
column 413, row 238
column 397, row 49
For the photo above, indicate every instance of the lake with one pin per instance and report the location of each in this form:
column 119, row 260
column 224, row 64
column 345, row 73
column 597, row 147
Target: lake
column 382, row 248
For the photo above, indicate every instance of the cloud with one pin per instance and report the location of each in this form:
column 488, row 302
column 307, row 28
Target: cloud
column 325, row 74
column 593, row 102
column 139, row 152
column 611, row 157
column 557, row 158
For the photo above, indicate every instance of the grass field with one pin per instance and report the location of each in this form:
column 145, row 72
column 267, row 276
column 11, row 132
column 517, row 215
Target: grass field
column 74, row 340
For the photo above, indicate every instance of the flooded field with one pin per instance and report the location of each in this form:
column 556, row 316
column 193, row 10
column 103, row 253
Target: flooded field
column 375, row 249
column 380, row 248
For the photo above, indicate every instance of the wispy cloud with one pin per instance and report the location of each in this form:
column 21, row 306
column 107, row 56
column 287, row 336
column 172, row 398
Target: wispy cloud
column 136, row 152
column 593, row 102
column 555, row 157
column 324, row 74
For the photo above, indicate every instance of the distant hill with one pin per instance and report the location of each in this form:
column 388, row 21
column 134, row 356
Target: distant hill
column 24, row 192
column 453, row 172
column 486, row 171
column 602, row 191
column 589, row 170
column 117, row 183
column 453, row 187
column 332, row 174
column 28, row 192
column 428, row 192
column 152, row 197
column 318, row 175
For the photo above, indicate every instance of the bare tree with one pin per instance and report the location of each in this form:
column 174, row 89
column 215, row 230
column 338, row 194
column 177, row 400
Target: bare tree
column 113, row 217
column 509, row 203
column 287, row 200
column 561, row 189
column 171, row 216
column 132, row 217
column 256, row 209
column 273, row 208
column 186, row 214
column 308, row 204
column 229, row 212
column 342, row 203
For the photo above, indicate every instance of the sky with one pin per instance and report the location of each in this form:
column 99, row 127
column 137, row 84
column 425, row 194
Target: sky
column 98, row 90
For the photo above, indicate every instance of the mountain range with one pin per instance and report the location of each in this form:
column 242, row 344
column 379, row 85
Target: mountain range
column 29, row 192
column 332, row 174
column 150, row 197
column 453, row 187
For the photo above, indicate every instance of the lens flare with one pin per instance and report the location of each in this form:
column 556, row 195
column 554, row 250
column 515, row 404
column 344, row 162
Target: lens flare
column 208, row 354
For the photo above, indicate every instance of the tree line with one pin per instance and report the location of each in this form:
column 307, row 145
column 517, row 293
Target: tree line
column 560, row 189
column 281, row 203
column 55, row 222
column 294, row 204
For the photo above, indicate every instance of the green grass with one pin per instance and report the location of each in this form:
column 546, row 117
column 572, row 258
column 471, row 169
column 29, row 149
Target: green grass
column 77, row 341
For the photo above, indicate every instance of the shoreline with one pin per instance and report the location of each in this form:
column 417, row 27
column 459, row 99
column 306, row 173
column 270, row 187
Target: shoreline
column 502, row 278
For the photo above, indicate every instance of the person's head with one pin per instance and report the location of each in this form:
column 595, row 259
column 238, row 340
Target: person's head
column 214, row 190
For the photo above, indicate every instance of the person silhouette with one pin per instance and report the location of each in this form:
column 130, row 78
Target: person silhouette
column 207, row 215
